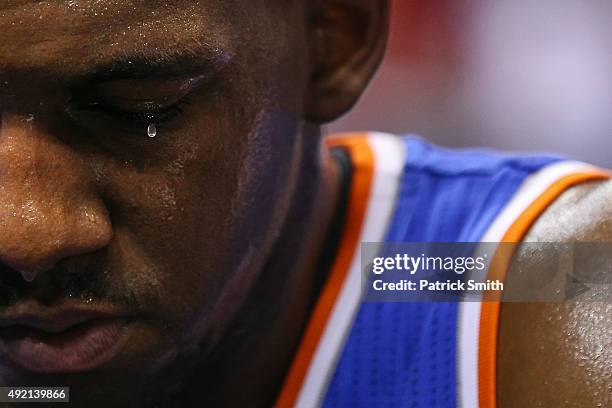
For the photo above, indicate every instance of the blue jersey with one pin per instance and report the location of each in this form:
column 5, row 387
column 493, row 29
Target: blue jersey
column 422, row 354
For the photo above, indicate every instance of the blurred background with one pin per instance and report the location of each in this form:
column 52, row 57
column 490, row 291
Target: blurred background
column 516, row 75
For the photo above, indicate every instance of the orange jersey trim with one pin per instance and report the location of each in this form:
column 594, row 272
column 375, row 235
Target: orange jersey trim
column 490, row 311
column 362, row 158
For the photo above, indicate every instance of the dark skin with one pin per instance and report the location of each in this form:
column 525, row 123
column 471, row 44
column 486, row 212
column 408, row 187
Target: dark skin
column 209, row 235
column 204, row 236
column 559, row 354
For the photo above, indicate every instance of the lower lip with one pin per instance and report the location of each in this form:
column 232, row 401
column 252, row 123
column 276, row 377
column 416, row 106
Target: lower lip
column 81, row 348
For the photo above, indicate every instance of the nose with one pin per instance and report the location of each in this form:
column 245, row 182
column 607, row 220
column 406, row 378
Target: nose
column 48, row 206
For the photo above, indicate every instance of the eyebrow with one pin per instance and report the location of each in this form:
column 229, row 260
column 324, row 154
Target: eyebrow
column 162, row 64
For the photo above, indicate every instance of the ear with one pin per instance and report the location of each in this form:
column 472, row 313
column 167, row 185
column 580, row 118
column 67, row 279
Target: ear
column 347, row 40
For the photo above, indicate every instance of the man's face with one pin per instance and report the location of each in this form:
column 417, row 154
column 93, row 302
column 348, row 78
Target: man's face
column 138, row 247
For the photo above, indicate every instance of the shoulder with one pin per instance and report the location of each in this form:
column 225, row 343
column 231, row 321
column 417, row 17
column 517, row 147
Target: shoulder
column 558, row 353
column 581, row 214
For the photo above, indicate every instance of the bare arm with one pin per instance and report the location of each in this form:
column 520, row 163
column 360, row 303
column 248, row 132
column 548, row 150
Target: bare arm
column 560, row 354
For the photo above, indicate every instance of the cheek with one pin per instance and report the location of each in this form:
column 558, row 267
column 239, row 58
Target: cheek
column 209, row 209
column 234, row 209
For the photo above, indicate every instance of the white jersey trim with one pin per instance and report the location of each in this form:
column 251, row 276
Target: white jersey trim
column 389, row 157
column 469, row 312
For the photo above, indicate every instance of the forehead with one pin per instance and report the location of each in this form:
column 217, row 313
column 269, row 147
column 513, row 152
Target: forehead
column 67, row 36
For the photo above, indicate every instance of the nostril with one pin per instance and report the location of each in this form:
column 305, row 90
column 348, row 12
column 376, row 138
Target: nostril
column 29, row 267
column 11, row 282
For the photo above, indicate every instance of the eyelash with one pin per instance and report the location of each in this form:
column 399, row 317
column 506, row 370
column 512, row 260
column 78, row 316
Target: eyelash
column 161, row 116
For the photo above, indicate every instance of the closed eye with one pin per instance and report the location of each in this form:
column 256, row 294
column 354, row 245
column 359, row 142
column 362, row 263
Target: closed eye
column 134, row 101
